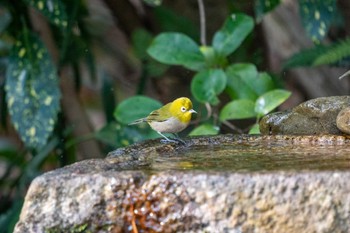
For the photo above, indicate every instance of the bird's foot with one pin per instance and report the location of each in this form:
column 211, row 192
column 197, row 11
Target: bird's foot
column 175, row 140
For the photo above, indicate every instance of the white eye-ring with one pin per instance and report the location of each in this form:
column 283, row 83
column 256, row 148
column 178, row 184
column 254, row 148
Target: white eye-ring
column 183, row 109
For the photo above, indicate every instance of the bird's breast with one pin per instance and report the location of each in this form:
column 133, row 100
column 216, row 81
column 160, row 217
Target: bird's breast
column 171, row 125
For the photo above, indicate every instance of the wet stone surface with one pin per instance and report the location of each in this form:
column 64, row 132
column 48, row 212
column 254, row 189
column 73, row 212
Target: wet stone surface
column 225, row 183
column 313, row 117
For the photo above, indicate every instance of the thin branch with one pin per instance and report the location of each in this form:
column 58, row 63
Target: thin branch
column 347, row 73
column 231, row 126
column 202, row 22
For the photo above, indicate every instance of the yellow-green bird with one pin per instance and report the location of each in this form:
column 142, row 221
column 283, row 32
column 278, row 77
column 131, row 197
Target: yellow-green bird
column 171, row 118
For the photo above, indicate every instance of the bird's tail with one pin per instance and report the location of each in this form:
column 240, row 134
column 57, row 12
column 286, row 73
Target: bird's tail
column 138, row 121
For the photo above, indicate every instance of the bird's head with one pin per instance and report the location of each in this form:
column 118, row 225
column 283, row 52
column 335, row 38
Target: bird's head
column 181, row 108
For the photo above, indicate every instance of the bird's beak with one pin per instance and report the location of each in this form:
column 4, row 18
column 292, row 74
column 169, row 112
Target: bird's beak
column 192, row 111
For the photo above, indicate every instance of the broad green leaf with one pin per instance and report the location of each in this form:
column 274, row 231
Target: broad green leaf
column 32, row 90
column 208, row 84
column 264, row 6
column 134, row 108
column 235, row 29
column 54, row 10
column 262, row 83
column 141, row 39
column 238, row 109
column 255, row 129
column 205, row 129
column 212, row 58
column 240, row 79
column 177, row 49
column 317, row 16
column 108, row 134
column 270, row 100
column 117, row 135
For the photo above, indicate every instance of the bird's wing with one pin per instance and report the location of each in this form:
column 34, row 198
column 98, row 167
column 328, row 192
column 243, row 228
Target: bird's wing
column 160, row 115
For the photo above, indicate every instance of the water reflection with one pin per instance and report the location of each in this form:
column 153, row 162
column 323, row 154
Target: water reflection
column 256, row 157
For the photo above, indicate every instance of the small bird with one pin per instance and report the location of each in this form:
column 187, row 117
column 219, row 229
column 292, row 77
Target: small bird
column 171, row 118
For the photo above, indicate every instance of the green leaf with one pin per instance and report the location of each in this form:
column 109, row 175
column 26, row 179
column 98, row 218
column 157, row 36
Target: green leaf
column 334, row 53
column 141, row 39
column 177, row 49
column 238, row 109
column 108, row 134
column 263, row 83
column 305, row 57
column 205, row 129
column 264, row 6
column 270, row 100
column 235, row 29
column 134, row 108
column 207, row 85
column 54, row 10
column 212, row 58
column 117, row 135
column 32, row 90
column 240, row 81
column 317, row 16
column 255, row 129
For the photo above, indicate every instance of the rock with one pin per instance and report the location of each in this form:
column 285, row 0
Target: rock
column 316, row 116
column 204, row 186
column 343, row 120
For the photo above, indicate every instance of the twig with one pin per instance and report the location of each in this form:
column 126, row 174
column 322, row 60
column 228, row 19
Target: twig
column 202, row 22
column 231, row 126
column 345, row 74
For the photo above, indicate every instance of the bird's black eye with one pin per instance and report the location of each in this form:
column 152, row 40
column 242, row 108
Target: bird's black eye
column 183, row 109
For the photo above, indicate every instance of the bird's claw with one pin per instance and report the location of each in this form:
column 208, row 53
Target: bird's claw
column 176, row 140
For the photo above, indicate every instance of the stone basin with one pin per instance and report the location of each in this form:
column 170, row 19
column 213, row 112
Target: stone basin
column 226, row 183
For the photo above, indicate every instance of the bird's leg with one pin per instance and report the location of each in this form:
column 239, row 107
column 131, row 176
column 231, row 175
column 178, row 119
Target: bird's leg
column 166, row 138
column 177, row 138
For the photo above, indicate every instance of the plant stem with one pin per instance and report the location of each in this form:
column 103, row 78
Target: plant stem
column 202, row 22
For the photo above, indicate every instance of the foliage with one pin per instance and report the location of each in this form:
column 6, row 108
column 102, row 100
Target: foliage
column 30, row 94
column 264, row 6
column 32, row 90
column 317, row 17
column 224, row 91
column 253, row 94
column 334, row 54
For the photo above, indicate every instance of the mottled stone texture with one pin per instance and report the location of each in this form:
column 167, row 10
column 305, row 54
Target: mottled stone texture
column 94, row 196
column 316, row 116
column 343, row 120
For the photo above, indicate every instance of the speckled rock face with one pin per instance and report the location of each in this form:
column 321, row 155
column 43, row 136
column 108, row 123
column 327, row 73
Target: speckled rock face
column 316, row 116
column 213, row 184
column 187, row 202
